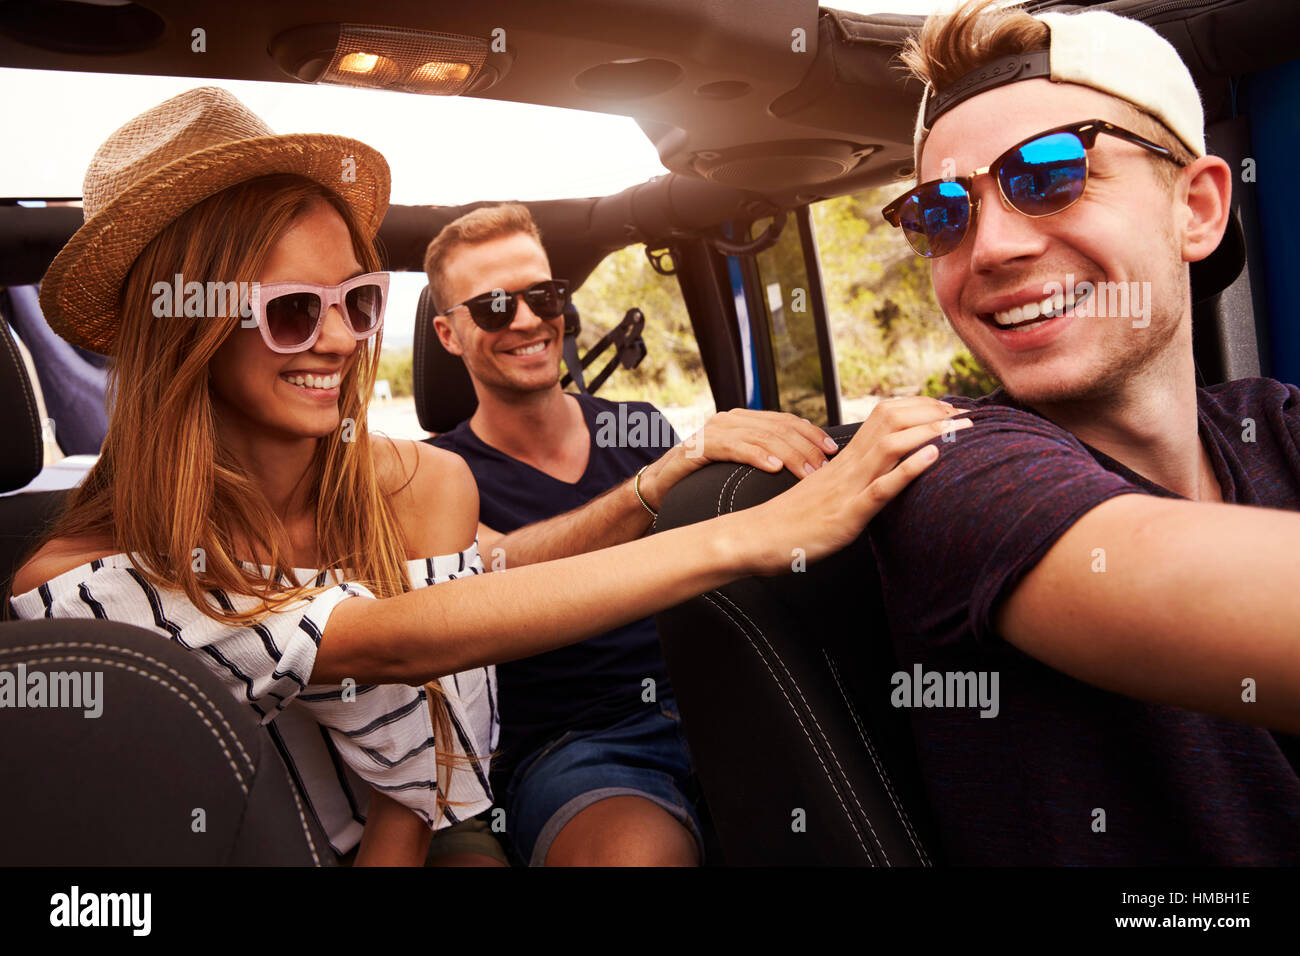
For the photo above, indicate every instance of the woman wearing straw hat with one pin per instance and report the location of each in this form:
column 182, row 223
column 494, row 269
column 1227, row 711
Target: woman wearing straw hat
column 239, row 500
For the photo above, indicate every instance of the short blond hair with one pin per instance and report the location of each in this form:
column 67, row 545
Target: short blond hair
column 481, row 225
column 979, row 32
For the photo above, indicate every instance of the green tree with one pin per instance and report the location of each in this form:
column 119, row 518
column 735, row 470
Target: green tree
column 965, row 376
column 888, row 331
column 671, row 373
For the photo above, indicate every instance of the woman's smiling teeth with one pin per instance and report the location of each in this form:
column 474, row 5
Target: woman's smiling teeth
column 528, row 349
column 314, row 381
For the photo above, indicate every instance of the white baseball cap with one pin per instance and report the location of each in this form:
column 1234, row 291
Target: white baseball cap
column 1113, row 54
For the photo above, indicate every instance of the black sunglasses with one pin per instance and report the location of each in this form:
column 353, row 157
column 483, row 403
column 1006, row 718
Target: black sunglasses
column 495, row 310
column 1040, row 176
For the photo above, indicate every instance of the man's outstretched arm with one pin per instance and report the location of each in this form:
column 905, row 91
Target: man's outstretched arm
column 1195, row 599
column 767, row 440
column 614, row 517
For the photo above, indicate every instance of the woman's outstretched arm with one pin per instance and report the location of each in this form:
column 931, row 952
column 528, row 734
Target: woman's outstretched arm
column 489, row 619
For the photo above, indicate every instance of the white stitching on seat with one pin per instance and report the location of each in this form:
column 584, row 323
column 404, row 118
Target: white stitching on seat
column 306, row 829
column 709, row 598
column 153, row 677
column 731, row 504
column 198, row 691
column 880, row 769
column 817, row 724
column 725, row 482
column 302, row 818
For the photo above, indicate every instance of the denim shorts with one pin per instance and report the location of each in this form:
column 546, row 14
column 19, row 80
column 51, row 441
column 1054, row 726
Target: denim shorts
column 643, row 755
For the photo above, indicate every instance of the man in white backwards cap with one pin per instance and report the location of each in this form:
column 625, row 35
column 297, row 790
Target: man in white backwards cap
column 1115, row 544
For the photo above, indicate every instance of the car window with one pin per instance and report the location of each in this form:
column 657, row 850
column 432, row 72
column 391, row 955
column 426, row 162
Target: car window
column 889, row 336
column 671, row 376
column 786, row 294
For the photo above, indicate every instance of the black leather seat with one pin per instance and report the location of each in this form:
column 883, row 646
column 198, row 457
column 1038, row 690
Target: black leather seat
column 174, row 770
column 22, row 453
column 784, row 688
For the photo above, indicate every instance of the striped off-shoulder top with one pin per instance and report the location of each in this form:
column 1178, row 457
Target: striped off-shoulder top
column 336, row 742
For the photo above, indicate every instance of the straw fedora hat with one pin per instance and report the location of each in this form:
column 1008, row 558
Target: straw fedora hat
column 163, row 162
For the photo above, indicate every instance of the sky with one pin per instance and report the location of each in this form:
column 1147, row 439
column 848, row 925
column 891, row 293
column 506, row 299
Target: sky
column 427, row 140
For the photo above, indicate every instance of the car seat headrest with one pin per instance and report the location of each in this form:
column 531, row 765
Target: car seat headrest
column 22, row 448
column 444, row 392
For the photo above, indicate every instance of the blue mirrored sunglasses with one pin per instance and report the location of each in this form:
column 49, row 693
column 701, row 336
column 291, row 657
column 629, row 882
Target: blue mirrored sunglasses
column 1039, row 176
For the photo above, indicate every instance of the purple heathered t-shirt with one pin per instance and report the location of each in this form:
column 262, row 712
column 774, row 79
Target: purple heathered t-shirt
column 1024, row 787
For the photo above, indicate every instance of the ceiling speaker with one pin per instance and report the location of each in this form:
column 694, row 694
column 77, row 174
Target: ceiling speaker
column 780, row 164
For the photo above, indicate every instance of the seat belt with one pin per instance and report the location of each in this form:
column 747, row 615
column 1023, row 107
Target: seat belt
column 572, row 326
column 629, row 350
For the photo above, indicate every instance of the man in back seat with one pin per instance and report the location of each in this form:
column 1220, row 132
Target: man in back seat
column 1114, row 543
column 594, row 768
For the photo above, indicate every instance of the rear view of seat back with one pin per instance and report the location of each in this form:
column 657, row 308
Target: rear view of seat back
column 784, row 688
column 25, row 517
column 148, row 760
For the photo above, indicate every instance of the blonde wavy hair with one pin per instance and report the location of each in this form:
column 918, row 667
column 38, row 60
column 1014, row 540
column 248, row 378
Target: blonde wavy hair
column 164, row 485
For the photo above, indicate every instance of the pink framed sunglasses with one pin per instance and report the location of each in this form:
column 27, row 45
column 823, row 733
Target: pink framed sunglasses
column 290, row 314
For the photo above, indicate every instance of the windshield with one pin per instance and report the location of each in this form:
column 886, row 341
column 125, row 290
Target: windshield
column 443, row 150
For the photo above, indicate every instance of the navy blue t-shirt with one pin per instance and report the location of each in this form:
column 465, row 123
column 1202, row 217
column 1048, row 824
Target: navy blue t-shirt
column 597, row 682
column 1024, row 787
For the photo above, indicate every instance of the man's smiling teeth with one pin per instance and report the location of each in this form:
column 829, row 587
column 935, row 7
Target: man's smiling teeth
column 528, row 349
column 1048, row 308
column 314, row 381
